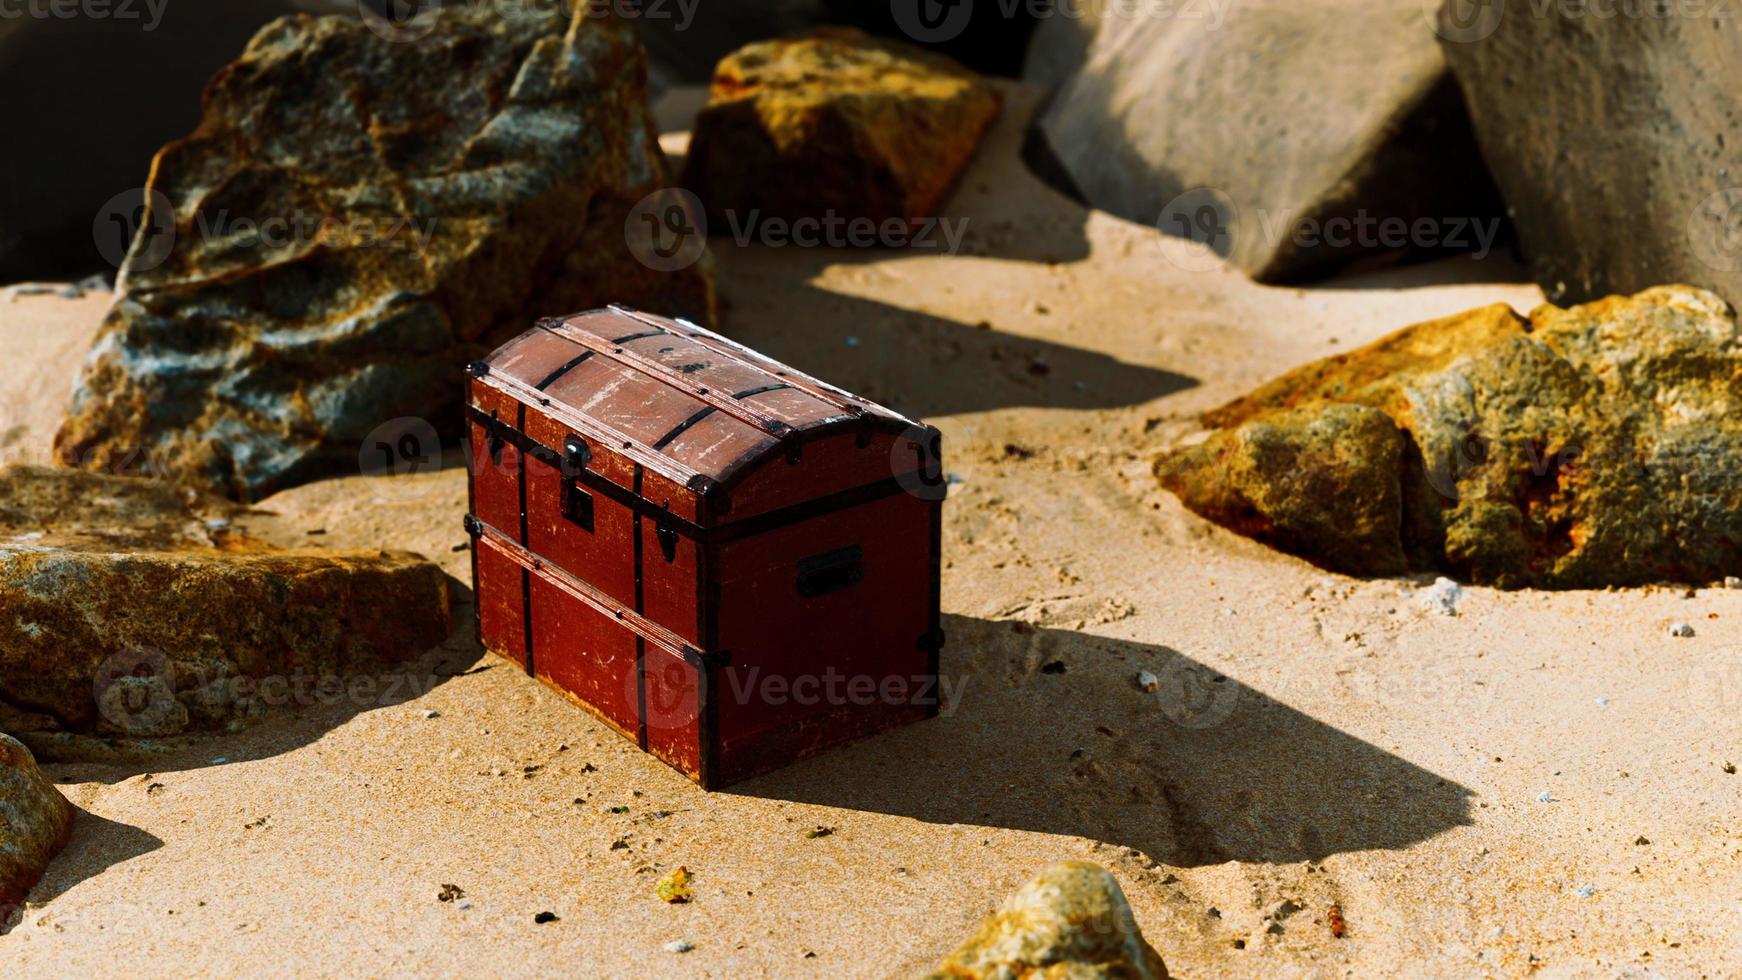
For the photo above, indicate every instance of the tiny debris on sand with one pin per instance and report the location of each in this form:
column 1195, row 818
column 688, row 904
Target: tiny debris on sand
column 1681, row 629
column 1147, row 682
column 543, row 918
column 675, row 887
column 678, row 946
column 1339, row 926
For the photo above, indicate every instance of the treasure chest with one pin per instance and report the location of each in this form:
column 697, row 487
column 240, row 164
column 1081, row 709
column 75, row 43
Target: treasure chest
column 726, row 560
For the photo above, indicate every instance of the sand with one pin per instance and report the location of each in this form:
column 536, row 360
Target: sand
column 1346, row 745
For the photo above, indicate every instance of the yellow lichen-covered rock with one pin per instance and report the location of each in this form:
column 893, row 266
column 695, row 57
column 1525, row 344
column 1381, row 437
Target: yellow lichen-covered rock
column 35, row 820
column 127, row 608
column 834, row 123
column 1070, row 923
column 1585, row 447
column 358, row 216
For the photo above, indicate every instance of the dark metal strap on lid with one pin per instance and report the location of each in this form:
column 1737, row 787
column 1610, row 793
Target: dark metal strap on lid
column 662, row 373
column 567, row 366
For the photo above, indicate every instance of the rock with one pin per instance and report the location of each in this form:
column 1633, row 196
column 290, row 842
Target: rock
column 1442, row 597
column 35, row 821
column 1307, row 482
column 81, row 138
column 834, row 124
column 1581, row 448
column 1607, row 135
column 127, row 609
column 356, row 218
column 1071, row 921
column 1272, row 133
column 1059, row 47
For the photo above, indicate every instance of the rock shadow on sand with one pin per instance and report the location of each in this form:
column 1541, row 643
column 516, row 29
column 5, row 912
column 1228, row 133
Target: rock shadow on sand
column 96, row 845
column 1050, row 733
column 299, row 710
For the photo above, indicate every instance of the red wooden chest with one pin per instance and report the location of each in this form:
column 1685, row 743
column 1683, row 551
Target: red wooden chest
column 728, row 561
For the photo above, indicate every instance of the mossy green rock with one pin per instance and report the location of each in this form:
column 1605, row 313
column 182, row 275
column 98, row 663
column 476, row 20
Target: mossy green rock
column 1594, row 446
column 1072, row 922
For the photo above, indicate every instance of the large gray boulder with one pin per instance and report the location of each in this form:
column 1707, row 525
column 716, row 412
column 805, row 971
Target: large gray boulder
column 363, row 209
column 1289, row 138
column 1607, row 127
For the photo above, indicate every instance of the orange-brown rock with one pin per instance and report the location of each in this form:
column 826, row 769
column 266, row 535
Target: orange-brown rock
column 1579, row 448
column 128, row 608
column 834, row 124
column 357, row 217
column 35, row 821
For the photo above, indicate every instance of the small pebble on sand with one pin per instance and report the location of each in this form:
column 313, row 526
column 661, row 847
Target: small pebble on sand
column 678, row 946
column 1545, row 797
column 430, row 713
column 1148, row 682
column 1585, row 891
column 1442, row 597
column 1681, row 629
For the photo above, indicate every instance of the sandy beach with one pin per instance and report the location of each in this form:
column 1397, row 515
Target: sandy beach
column 1537, row 784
